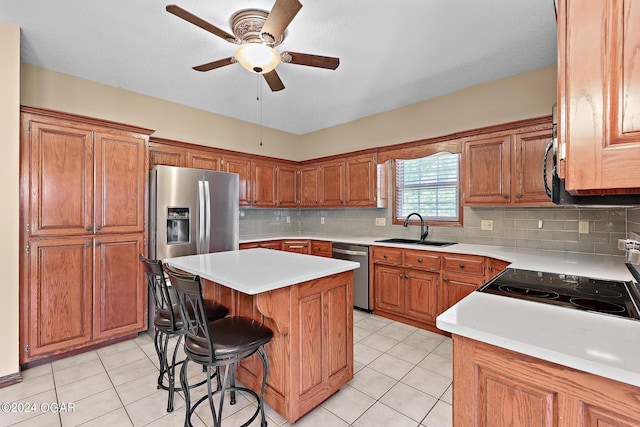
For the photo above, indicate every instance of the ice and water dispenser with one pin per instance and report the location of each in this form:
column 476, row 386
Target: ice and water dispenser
column 178, row 222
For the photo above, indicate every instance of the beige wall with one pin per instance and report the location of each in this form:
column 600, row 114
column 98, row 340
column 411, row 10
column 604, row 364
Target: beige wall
column 9, row 153
column 523, row 96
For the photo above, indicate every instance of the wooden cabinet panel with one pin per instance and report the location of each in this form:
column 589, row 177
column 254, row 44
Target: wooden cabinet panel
column 120, row 183
column 487, row 170
column 599, row 94
column 528, row 183
column 241, row 166
column 360, row 181
column 389, row 289
column 455, row 287
column 161, row 154
column 386, row 255
column 204, row 160
column 287, row 186
column 61, row 180
column 421, row 260
column 263, row 177
column 120, row 296
column 268, row 244
column 467, row 264
column 309, row 186
column 299, row 246
column 57, row 302
column 421, row 295
column 321, row 248
column 332, row 183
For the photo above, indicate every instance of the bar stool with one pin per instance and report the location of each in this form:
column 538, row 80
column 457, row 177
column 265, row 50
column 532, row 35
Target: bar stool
column 220, row 343
column 168, row 323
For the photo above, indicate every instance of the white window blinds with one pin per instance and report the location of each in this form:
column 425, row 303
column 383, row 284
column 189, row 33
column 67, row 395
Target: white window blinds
column 429, row 186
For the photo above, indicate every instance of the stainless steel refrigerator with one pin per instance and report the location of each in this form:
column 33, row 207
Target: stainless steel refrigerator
column 192, row 211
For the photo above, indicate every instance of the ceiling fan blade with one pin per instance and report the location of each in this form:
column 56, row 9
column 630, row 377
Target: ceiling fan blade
column 273, row 80
column 279, row 18
column 310, row 60
column 215, row 64
column 190, row 17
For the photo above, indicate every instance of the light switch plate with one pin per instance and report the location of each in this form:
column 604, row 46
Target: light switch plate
column 288, row 220
column 486, row 224
column 381, row 222
column 583, row 227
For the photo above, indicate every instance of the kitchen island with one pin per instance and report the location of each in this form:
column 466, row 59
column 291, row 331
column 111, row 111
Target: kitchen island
column 308, row 303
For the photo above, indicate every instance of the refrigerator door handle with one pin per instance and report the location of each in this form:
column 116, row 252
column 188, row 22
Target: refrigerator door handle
column 207, row 217
column 201, row 218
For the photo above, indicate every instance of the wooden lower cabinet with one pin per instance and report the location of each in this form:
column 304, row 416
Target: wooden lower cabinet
column 311, row 353
column 298, row 246
column 495, row 387
column 455, row 287
column 321, row 248
column 81, row 291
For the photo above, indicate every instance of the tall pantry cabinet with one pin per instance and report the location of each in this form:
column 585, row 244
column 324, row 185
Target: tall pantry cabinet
column 82, row 212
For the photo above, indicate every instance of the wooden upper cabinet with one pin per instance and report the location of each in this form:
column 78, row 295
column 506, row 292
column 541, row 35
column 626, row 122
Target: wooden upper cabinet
column 360, row 182
column 204, row 160
column 287, row 186
column 241, row 166
column 487, row 170
column 61, row 177
column 309, row 186
column 120, row 183
column 161, row 154
column 599, row 94
column 527, row 179
column 263, row 177
column 332, row 180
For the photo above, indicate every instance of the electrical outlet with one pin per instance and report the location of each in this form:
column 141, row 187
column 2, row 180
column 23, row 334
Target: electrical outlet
column 321, row 220
column 486, row 224
column 288, row 220
column 381, row 222
column 583, row 227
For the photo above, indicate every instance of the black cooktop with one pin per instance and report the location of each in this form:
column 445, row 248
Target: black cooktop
column 577, row 292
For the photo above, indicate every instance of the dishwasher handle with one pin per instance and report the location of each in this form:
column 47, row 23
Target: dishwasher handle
column 348, row 252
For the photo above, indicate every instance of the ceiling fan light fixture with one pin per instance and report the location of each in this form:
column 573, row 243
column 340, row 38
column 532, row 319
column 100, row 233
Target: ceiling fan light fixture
column 257, row 58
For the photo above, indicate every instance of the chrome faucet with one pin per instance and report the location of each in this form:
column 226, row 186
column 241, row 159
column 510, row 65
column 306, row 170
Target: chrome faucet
column 423, row 233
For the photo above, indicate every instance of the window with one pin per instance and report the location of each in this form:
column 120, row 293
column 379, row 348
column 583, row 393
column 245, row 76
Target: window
column 430, row 186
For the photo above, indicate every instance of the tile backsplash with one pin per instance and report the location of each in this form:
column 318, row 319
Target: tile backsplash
column 550, row 228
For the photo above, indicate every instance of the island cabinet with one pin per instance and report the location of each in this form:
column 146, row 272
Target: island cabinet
column 311, row 353
column 82, row 215
column 495, row 387
column 599, row 95
column 505, row 168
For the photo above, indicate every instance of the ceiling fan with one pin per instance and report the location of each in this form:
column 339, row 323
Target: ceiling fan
column 257, row 32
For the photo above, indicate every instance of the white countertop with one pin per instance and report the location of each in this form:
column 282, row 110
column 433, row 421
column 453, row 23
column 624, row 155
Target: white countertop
column 253, row 271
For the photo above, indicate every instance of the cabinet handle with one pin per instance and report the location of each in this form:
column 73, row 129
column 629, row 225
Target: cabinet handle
column 98, row 243
column 444, row 279
column 490, row 268
column 99, row 227
column 384, row 256
column 518, row 195
column 506, row 196
column 419, row 259
column 461, row 265
column 406, row 276
column 400, row 275
column 88, row 228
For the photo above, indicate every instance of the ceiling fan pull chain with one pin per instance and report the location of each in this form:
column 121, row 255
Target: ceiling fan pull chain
column 259, row 98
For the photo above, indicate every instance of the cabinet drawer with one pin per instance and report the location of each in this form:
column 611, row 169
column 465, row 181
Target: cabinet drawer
column 321, row 248
column 463, row 264
column 422, row 259
column 381, row 255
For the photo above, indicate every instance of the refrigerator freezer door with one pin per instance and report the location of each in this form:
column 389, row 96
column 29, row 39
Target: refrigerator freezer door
column 223, row 217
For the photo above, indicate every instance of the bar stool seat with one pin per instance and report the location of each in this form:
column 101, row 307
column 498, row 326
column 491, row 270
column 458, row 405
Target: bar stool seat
column 215, row 344
column 168, row 323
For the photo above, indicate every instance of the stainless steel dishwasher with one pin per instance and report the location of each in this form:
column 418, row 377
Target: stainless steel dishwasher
column 357, row 253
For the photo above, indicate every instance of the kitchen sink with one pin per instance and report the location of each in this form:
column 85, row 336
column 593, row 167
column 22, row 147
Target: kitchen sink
column 416, row 242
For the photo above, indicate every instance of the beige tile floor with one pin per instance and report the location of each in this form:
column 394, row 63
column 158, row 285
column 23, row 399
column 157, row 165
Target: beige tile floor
column 402, row 378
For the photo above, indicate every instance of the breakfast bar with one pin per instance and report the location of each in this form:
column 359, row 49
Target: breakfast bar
column 308, row 303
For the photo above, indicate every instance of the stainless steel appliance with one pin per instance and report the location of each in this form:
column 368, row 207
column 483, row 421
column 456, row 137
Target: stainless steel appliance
column 357, row 253
column 616, row 298
column 192, row 211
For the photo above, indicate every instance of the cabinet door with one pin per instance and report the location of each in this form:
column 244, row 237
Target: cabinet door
column 389, row 289
column 167, row 155
column 528, row 185
column 456, row 287
column 57, row 296
column 360, row 182
column 309, row 186
column 61, row 187
column 599, row 93
column 120, row 297
column 332, row 184
column 487, row 171
column 287, row 182
column 421, row 295
column 263, row 177
column 121, row 178
column 241, row 166
column 298, row 246
column 204, row 160
column 321, row 248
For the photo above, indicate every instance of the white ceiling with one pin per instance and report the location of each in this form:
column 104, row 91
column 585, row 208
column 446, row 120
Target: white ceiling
column 392, row 53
